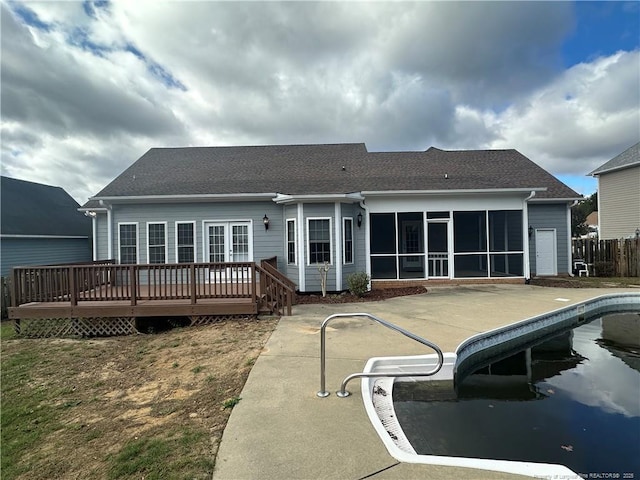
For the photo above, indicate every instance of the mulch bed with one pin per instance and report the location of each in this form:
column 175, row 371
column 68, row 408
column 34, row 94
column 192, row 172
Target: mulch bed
column 372, row 296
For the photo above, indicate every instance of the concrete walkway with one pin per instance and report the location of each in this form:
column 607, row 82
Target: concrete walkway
column 282, row 430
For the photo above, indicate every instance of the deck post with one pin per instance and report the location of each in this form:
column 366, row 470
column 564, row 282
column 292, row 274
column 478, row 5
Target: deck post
column 13, row 287
column 72, row 287
column 132, row 281
column 193, row 283
column 254, row 289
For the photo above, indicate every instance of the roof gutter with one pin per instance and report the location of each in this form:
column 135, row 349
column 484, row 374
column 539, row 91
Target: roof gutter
column 463, row 191
column 282, row 199
column 184, row 198
column 556, row 200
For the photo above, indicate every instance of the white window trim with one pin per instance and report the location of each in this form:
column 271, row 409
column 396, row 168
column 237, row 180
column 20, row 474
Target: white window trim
column 137, row 241
column 330, row 240
column 195, row 253
column 294, row 240
column 166, row 242
column 344, row 240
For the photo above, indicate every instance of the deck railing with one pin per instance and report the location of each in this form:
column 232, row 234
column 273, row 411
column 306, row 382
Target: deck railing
column 106, row 281
column 277, row 294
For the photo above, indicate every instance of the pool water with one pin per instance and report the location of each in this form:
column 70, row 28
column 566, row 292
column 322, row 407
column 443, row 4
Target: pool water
column 572, row 400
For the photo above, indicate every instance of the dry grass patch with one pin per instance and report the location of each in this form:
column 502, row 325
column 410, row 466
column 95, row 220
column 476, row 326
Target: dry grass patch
column 144, row 406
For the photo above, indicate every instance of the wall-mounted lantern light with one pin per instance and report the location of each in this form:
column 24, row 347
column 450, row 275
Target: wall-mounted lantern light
column 530, row 231
column 265, row 220
column 359, row 219
column 638, row 232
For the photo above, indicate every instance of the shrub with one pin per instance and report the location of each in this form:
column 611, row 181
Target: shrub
column 604, row 269
column 358, row 283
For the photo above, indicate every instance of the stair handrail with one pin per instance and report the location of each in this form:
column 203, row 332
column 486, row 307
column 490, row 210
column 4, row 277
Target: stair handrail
column 287, row 289
column 322, row 393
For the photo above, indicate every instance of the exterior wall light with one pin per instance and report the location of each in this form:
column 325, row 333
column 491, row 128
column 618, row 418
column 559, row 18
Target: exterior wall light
column 530, row 231
column 265, row 220
column 638, row 232
column 359, row 219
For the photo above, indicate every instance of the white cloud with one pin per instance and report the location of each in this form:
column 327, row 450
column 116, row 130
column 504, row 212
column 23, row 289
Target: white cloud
column 91, row 93
column 581, row 119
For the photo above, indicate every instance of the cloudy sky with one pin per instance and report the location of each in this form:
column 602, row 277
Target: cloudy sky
column 88, row 87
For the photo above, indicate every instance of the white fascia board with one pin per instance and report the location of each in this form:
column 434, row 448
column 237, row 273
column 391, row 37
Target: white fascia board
column 319, row 198
column 491, row 191
column 205, row 197
column 89, row 209
column 4, row 235
column 596, row 173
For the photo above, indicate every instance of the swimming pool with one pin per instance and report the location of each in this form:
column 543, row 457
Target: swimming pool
column 520, row 382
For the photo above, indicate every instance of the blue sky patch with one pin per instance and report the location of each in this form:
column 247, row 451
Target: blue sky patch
column 602, row 28
column 29, row 17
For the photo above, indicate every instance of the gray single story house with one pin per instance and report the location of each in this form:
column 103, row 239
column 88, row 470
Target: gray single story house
column 40, row 225
column 402, row 217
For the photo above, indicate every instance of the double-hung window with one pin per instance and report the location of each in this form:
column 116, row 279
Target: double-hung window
column 291, row 242
column 157, row 242
column 347, row 235
column 128, row 242
column 185, row 242
column 319, row 236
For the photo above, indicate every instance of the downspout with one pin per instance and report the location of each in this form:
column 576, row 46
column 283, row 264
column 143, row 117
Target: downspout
column 94, row 229
column 367, row 243
column 302, row 284
column 569, row 243
column 525, row 226
column 338, row 249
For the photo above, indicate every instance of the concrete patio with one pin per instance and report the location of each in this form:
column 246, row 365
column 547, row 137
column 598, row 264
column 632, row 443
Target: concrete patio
column 282, row 430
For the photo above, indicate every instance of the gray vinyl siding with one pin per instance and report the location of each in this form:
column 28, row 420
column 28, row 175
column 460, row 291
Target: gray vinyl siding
column 266, row 243
column 551, row 216
column 619, row 203
column 102, row 249
column 18, row 252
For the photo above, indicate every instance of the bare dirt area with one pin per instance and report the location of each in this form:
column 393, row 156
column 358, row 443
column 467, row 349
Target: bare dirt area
column 143, row 406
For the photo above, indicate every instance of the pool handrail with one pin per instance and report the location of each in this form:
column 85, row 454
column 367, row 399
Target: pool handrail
column 343, row 392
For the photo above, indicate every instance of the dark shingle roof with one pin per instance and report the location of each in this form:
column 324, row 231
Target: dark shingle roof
column 318, row 169
column 628, row 158
column 35, row 209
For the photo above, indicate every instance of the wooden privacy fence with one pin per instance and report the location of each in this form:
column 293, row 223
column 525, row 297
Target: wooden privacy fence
column 609, row 258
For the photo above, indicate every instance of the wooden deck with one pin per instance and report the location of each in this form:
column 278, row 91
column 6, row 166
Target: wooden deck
column 104, row 289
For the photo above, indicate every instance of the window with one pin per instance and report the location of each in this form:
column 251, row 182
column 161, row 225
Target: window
column 347, row 250
column 128, row 240
column 291, row 242
column 319, row 235
column 185, row 242
column 156, row 242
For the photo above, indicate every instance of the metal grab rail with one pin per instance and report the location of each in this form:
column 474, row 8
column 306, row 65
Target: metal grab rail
column 343, row 392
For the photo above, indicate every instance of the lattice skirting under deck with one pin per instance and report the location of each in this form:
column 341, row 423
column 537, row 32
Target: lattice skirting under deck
column 208, row 319
column 103, row 326
column 75, row 327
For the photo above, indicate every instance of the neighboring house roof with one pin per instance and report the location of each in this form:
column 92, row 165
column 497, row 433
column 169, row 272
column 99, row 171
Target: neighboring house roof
column 630, row 157
column 592, row 219
column 326, row 169
column 33, row 209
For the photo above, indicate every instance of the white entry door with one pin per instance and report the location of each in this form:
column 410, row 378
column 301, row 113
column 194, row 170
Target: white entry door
column 229, row 242
column 546, row 248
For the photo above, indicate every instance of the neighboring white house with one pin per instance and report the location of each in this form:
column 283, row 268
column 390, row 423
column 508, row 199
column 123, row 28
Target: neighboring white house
column 401, row 217
column 619, row 195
